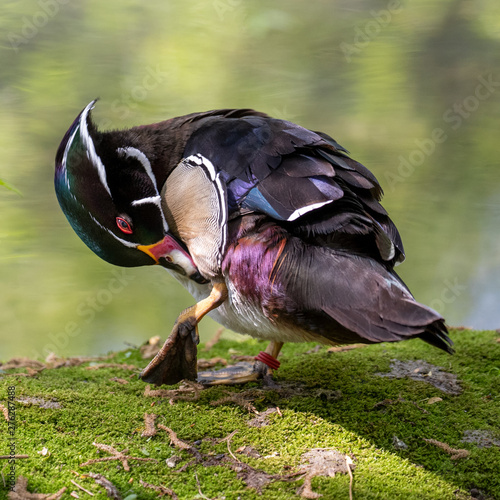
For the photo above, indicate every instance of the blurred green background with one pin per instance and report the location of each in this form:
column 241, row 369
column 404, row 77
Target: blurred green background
column 411, row 89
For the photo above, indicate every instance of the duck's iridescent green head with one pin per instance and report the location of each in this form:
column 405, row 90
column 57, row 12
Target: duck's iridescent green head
column 107, row 190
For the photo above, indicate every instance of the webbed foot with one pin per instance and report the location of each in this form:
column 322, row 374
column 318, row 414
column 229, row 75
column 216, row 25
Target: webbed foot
column 244, row 372
column 240, row 373
column 177, row 359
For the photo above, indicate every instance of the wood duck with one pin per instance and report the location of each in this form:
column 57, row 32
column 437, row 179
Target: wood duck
column 273, row 228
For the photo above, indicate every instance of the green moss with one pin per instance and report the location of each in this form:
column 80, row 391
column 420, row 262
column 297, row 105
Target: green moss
column 326, row 400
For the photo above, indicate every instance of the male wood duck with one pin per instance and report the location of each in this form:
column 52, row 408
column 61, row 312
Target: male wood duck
column 273, row 228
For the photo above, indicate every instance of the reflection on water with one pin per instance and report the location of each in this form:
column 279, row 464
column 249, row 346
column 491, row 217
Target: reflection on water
column 413, row 92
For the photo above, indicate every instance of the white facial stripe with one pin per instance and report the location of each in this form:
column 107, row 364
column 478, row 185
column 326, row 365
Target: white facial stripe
column 142, row 159
column 65, row 157
column 90, row 148
column 132, row 152
column 152, row 199
column 164, row 221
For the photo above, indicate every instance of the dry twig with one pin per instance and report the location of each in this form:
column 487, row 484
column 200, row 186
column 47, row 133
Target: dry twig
column 348, row 462
column 243, row 357
column 22, row 363
column 189, row 391
column 174, row 439
column 343, row 348
column 199, row 487
column 82, row 488
column 149, row 422
column 124, row 366
column 110, row 488
column 228, row 439
column 243, row 399
column 214, row 340
column 119, row 380
column 455, row 454
column 5, row 412
column 116, row 455
column 205, row 364
column 52, row 361
column 162, row 490
column 30, row 372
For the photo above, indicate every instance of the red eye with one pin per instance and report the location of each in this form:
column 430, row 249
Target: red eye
column 123, row 225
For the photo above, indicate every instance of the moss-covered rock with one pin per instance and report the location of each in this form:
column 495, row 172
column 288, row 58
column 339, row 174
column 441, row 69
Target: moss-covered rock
column 322, row 400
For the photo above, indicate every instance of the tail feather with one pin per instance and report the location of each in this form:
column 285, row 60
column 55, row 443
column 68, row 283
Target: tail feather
column 437, row 335
column 362, row 296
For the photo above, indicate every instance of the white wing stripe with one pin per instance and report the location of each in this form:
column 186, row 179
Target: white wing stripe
column 303, row 210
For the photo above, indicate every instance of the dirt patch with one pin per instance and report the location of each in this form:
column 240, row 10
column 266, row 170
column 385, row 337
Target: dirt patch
column 22, row 363
column 483, row 439
column 322, row 462
column 249, row 451
column 21, row 492
column 253, row 478
column 261, row 419
column 47, row 405
column 424, row 372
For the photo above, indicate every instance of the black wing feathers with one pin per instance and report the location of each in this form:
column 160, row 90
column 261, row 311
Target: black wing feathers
column 294, row 174
column 341, row 246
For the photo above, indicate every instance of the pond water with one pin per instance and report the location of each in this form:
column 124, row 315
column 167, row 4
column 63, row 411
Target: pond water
column 412, row 91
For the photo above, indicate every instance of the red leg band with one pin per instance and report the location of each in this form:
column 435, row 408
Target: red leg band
column 268, row 360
